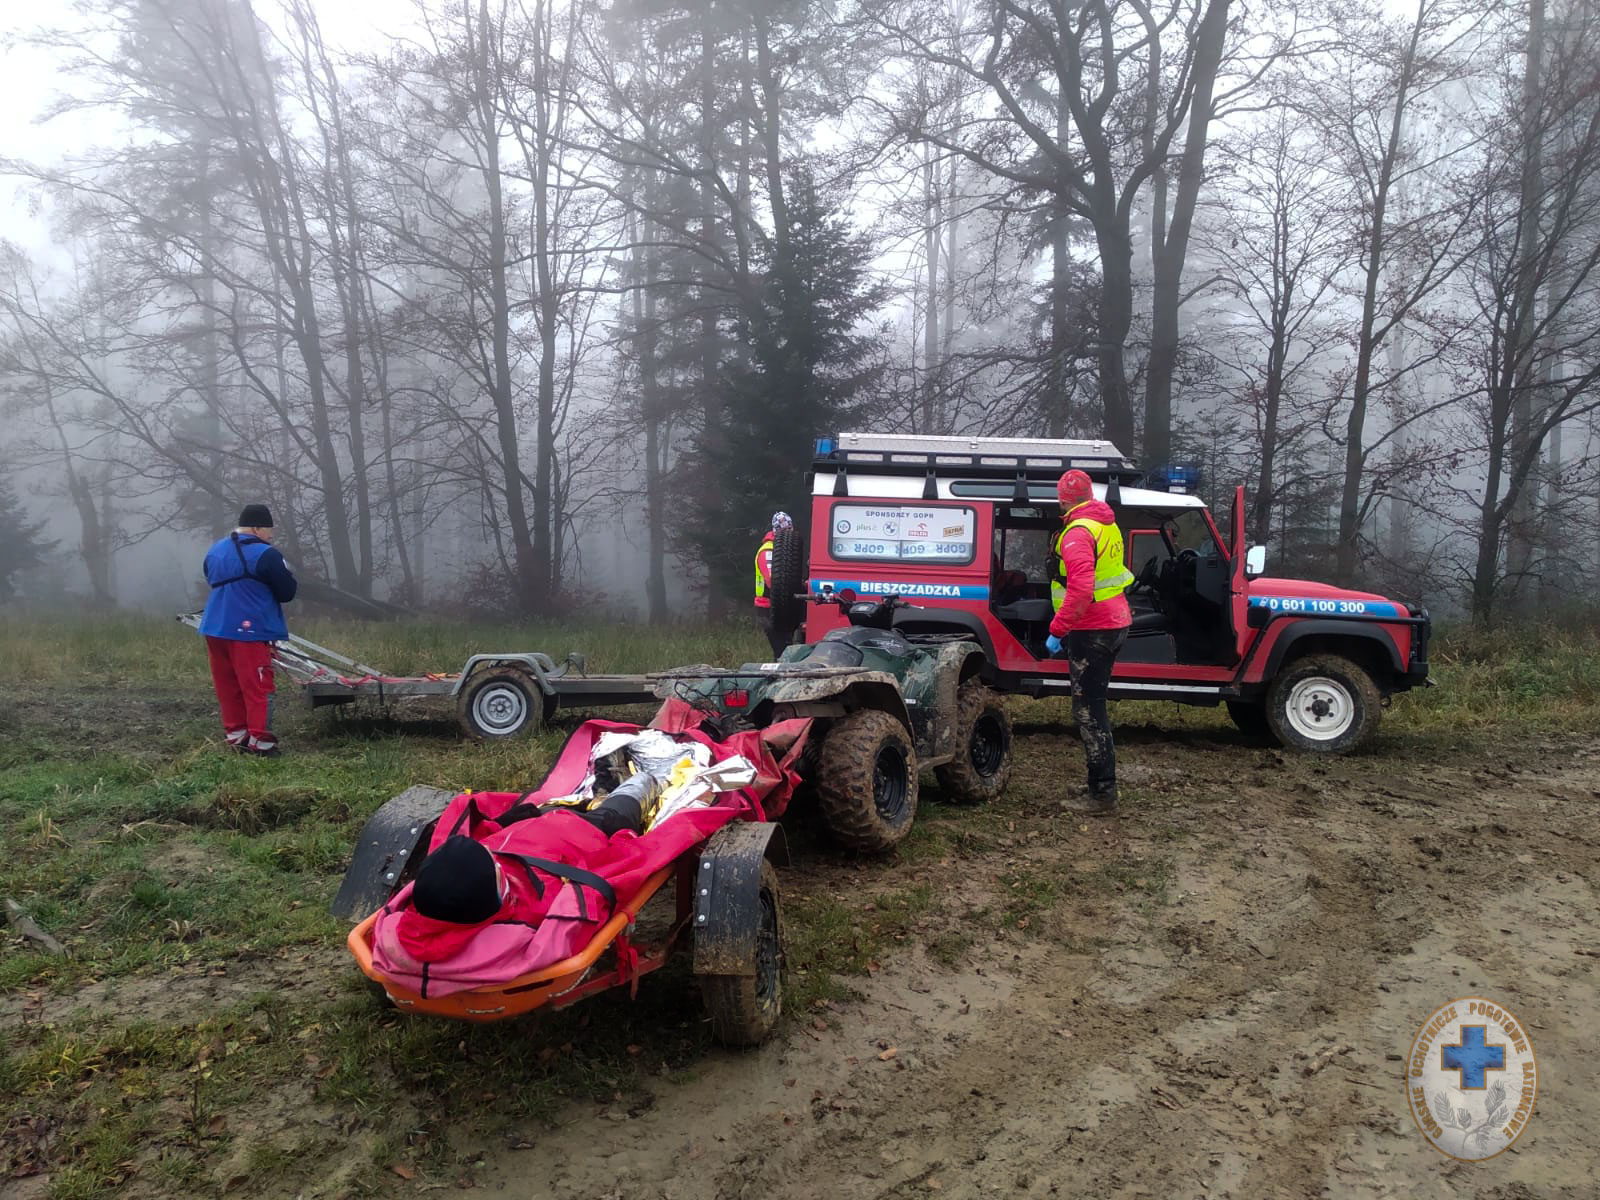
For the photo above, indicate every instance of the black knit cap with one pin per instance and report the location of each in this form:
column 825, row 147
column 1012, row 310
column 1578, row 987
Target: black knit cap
column 255, row 516
column 456, row 883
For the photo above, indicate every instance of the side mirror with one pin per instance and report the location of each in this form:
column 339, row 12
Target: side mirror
column 1255, row 562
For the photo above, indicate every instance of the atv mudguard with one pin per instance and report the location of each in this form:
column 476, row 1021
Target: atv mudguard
column 937, row 694
column 393, row 838
column 727, row 888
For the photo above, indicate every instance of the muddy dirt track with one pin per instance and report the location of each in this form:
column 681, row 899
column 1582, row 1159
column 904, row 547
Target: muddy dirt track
column 1215, row 1001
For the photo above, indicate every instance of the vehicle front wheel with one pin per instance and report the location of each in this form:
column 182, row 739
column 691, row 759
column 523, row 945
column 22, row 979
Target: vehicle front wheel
column 982, row 764
column 867, row 781
column 1324, row 704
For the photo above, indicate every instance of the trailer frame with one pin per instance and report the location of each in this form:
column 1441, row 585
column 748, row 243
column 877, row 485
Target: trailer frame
column 497, row 694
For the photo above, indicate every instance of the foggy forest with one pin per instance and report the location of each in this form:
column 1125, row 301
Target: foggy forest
column 531, row 306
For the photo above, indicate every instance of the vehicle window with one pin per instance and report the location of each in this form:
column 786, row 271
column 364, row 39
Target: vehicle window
column 904, row 533
column 1144, row 545
column 1190, row 532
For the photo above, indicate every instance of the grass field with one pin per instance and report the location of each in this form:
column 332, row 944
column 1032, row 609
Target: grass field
column 207, row 1033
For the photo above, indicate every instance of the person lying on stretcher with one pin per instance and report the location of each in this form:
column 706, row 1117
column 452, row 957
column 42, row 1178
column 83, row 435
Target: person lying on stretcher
column 513, row 884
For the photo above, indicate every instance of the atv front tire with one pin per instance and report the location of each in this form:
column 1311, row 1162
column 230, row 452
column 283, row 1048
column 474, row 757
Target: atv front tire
column 982, row 764
column 1324, row 704
column 744, row 1009
column 867, row 782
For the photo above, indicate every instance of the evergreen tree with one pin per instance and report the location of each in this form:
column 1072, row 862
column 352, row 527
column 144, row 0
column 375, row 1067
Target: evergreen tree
column 21, row 547
column 804, row 372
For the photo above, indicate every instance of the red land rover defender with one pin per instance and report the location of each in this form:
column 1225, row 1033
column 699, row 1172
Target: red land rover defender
column 962, row 528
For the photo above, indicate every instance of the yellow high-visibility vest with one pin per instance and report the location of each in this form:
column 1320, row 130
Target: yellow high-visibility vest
column 762, row 599
column 1111, row 574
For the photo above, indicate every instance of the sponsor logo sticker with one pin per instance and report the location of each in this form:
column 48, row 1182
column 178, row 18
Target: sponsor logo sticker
column 1471, row 1079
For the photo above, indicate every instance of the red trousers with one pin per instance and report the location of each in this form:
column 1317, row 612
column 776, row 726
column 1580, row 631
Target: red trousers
column 242, row 674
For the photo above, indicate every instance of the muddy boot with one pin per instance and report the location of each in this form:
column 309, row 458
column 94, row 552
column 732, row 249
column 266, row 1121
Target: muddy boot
column 1094, row 802
column 1103, row 801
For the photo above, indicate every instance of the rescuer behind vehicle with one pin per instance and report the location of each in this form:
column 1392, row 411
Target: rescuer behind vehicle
column 776, row 638
column 1091, row 619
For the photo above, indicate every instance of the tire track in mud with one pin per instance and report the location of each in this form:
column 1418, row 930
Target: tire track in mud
column 1239, row 1040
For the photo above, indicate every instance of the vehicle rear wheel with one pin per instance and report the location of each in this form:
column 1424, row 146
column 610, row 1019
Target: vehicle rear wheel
column 867, row 781
column 500, row 702
column 1324, row 704
column 788, row 580
column 982, row 764
column 1250, row 717
column 744, row 1009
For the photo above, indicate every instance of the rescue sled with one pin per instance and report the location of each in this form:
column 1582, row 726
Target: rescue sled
column 725, row 906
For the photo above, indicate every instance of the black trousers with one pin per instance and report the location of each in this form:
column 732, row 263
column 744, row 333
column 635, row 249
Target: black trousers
column 1092, row 653
column 777, row 639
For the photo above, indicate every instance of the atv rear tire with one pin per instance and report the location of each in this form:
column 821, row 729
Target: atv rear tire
column 982, row 764
column 1324, row 704
column 788, row 580
column 744, row 1009
column 867, row 782
column 1250, row 718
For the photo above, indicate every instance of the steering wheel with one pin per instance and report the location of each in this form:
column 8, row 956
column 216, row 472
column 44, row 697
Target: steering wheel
column 1188, row 554
column 1149, row 576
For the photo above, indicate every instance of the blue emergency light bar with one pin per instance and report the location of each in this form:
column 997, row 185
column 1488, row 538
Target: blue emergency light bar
column 1180, row 478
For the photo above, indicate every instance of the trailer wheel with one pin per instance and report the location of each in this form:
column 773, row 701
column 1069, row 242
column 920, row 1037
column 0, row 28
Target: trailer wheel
column 744, row 1009
column 867, row 781
column 788, row 580
column 500, row 702
column 982, row 764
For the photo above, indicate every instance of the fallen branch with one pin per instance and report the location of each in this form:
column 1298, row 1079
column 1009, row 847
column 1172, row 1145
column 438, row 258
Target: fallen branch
column 28, row 928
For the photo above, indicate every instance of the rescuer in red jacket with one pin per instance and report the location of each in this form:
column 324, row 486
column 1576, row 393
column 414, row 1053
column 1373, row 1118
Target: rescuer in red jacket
column 1092, row 619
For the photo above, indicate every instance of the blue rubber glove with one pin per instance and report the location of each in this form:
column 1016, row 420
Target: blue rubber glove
column 1053, row 644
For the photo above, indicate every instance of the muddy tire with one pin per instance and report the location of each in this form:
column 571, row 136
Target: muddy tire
column 500, row 702
column 788, row 580
column 1250, row 718
column 982, row 764
column 1323, row 704
column 867, row 782
column 744, row 1009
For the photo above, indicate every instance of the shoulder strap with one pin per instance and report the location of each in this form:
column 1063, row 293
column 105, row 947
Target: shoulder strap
column 575, row 875
column 244, row 563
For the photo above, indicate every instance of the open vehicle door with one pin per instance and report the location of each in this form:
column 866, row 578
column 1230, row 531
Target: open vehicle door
column 1238, row 585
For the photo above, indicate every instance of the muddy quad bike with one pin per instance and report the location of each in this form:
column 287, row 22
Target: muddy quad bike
column 883, row 705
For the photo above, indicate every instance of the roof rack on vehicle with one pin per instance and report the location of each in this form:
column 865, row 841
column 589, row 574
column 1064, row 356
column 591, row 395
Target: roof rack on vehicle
column 1019, row 459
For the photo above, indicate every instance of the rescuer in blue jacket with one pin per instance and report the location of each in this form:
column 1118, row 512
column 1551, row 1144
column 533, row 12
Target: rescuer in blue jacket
column 250, row 583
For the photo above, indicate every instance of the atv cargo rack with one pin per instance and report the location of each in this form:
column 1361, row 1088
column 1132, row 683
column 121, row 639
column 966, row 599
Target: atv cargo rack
column 1021, row 460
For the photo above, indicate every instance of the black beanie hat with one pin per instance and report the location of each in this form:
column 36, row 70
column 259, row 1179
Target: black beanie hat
column 255, row 516
column 456, row 883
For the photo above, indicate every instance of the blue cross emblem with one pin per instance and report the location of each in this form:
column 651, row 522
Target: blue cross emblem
column 1472, row 1057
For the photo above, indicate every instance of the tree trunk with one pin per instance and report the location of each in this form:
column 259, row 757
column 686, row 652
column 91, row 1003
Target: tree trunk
column 548, row 316
column 1168, row 254
column 1116, row 318
column 1520, row 525
column 500, row 385
column 1346, row 556
column 710, row 334
column 644, row 322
